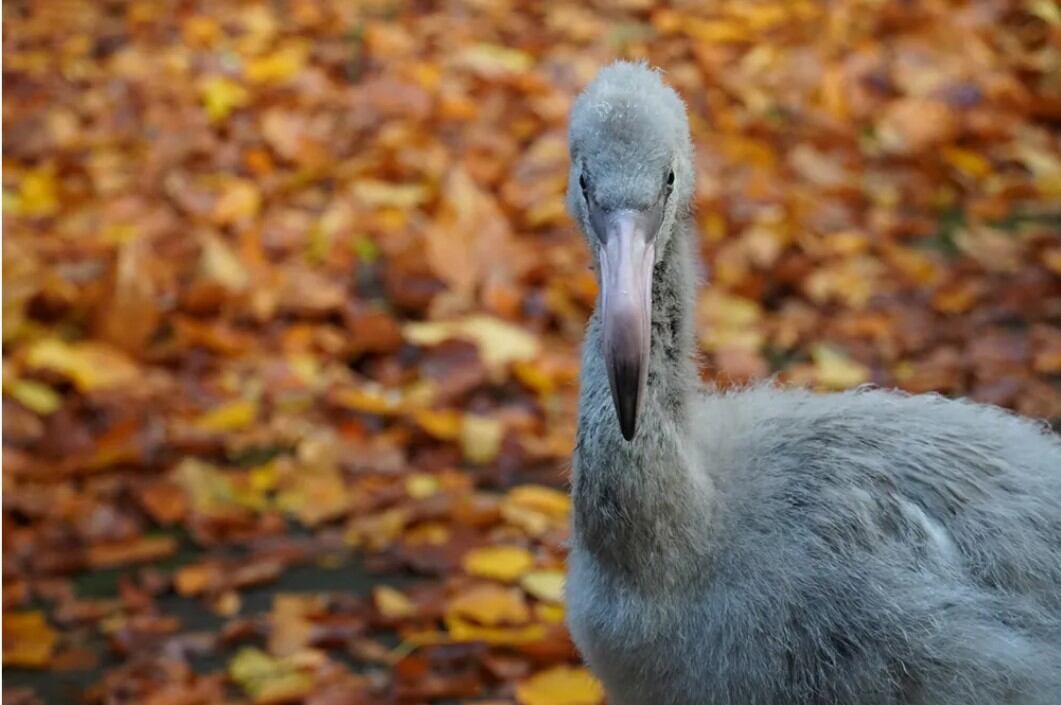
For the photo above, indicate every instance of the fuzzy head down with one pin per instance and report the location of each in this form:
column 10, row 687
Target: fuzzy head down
column 628, row 135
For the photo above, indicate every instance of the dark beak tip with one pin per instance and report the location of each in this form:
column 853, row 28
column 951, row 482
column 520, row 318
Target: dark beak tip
column 626, row 410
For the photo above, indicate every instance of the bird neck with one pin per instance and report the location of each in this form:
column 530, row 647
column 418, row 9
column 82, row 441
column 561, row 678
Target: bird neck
column 641, row 503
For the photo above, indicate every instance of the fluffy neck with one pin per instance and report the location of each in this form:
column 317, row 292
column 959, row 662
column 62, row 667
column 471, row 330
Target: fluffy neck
column 641, row 506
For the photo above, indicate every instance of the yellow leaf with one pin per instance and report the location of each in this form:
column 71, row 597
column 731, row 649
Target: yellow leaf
column 714, row 31
column 371, row 399
column 560, row 685
column 278, row 66
column 967, row 162
column 505, row 563
column 494, row 60
column 428, row 533
column 730, row 322
column 383, row 194
column 499, row 342
column 481, row 438
column 533, row 522
column 318, row 494
column 218, row 263
column 200, row 30
column 420, row 485
column 393, row 604
column 272, row 680
column 461, row 630
column 490, row 605
column 306, row 367
column 548, row 612
column 263, row 477
column 230, row 416
column 221, row 96
column 835, row 370
column 38, row 193
column 35, row 396
column 1046, row 10
column 544, row 374
column 239, row 199
column 547, row 585
column 534, row 376
column 28, row 640
column 89, row 366
column 540, row 498
column 212, row 491
column 762, row 16
column 443, row 424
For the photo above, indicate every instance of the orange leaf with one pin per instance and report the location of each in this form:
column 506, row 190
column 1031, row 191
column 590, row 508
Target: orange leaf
column 141, row 550
column 28, row 640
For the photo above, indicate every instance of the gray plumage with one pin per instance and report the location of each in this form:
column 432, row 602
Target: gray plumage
column 770, row 547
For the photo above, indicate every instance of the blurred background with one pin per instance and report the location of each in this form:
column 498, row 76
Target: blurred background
column 291, row 307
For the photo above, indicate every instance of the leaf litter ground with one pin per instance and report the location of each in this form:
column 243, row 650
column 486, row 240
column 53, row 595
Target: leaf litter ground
column 292, row 307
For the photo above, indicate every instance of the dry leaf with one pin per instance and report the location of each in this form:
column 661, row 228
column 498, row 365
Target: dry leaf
column 28, row 640
column 90, row 366
column 560, row 685
column 393, row 604
column 834, row 370
column 490, row 605
column 505, row 563
column 547, row 585
column 481, row 438
column 499, row 343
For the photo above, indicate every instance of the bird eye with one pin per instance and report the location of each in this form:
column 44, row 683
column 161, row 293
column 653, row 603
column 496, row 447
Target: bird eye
column 584, row 185
column 670, row 180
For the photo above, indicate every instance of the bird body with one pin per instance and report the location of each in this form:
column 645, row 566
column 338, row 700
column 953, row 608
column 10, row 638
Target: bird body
column 765, row 546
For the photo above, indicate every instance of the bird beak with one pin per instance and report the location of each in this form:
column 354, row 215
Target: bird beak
column 627, row 256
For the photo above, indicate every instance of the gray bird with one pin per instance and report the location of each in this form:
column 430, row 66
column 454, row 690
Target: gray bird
column 770, row 547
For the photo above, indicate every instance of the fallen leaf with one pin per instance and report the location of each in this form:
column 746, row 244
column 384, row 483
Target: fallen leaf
column 230, row 416
column 492, row 60
column 560, row 685
column 221, row 96
column 90, row 366
column 481, row 438
column 393, row 604
column 421, row 485
column 29, row 641
column 490, row 605
column 499, row 343
column 505, row 563
column 140, row 550
column 277, row 66
column 219, row 264
column 35, row 396
column 239, row 199
column 270, row 680
column 547, row 585
column 539, row 498
column 835, row 370
column 38, row 193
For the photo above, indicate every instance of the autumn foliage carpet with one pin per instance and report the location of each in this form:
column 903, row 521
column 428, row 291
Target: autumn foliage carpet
column 291, row 307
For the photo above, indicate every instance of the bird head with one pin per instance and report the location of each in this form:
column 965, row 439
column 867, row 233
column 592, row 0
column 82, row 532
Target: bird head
column 631, row 180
